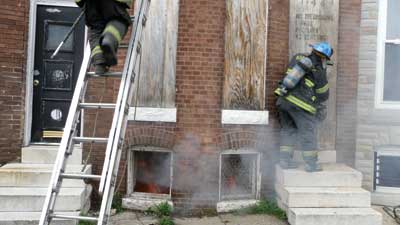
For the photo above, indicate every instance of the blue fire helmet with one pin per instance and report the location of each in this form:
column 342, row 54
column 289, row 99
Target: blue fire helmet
column 324, row 48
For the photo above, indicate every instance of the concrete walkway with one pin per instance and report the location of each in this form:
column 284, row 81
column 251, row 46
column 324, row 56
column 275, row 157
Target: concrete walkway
column 133, row 218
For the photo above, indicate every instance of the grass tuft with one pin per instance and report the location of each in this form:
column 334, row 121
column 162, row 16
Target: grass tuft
column 117, row 203
column 264, row 207
column 166, row 220
column 160, row 210
column 82, row 222
column 163, row 212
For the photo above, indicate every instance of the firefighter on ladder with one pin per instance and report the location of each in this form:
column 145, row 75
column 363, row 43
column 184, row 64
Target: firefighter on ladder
column 108, row 22
column 301, row 94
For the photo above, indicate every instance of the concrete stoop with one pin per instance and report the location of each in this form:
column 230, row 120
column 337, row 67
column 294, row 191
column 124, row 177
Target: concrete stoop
column 342, row 216
column 23, row 187
column 332, row 196
column 32, row 218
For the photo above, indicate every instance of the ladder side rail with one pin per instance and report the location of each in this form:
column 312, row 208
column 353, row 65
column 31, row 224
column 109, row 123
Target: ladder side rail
column 122, row 122
column 132, row 47
column 66, row 140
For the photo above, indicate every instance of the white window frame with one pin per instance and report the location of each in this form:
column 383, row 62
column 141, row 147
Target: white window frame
column 380, row 59
column 131, row 181
column 257, row 185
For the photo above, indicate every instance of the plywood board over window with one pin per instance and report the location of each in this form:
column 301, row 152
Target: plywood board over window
column 312, row 21
column 155, row 86
column 245, row 54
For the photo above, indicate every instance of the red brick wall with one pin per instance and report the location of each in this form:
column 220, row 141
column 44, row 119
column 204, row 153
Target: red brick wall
column 13, row 37
column 349, row 36
column 198, row 137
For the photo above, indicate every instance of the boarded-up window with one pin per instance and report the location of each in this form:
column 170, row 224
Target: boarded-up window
column 245, row 54
column 156, row 84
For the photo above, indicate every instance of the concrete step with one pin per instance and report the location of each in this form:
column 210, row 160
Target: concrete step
column 390, row 198
column 324, row 156
column 234, row 205
column 36, row 175
column 27, row 199
column 333, row 175
column 327, row 197
column 142, row 202
column 32, row 218
column 46, row 154
column 334, row 216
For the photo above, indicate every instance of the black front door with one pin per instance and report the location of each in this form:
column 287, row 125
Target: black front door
column 54, row 79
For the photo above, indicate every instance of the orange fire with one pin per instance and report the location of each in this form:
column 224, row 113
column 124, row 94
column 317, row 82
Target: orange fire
column 146, row 180
column 231, row 182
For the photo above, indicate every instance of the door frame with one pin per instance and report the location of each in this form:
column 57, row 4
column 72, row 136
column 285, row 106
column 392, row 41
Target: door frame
column 31, row 59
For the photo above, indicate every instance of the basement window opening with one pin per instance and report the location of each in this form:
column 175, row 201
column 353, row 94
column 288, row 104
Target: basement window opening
column 239, row 176
column 150, row 173
column 387, row 170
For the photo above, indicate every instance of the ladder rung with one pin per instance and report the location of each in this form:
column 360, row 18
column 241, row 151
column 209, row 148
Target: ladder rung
column 87, row 218
column 80, row 176
column 108, row 74
column 90, row 140
column 97, row 105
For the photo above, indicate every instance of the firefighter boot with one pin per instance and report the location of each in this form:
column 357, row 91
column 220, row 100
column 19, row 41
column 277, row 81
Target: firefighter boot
column 98, row 60
column 286, row 158
column 311, row 165
column 110, row 39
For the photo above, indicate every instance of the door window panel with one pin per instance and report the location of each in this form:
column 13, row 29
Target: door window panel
column 58, row 75
column 55, row 34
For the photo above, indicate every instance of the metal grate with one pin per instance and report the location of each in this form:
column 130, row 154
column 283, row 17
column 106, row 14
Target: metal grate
column 387, row 171
column 238, row 176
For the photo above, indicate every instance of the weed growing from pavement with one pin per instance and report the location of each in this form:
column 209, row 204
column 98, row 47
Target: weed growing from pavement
column 160, row 210
column 264, row 207
column 117, row 203
column 166, row 220
column 84, row 222
column 163, row 212
column 81, row 222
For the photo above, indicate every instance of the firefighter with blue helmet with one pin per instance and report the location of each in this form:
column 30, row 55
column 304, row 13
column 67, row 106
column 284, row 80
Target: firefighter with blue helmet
column 300, row 105
column 108, row 22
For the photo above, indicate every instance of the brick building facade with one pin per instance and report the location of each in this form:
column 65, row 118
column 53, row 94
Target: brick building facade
column 197, row 137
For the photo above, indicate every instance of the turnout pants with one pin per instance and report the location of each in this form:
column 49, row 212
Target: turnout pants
column 105, row 17
column 297, row 126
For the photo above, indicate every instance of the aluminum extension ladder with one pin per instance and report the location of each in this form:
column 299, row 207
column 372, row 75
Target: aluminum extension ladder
column 116, row 134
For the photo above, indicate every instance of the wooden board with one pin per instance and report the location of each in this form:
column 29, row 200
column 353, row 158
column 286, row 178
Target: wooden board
column 155, row 87
column 312, row 21
column 245, row 54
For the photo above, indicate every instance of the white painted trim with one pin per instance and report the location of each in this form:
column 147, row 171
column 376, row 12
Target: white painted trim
column 380, row 60
column 31, row 59
column 29, row 73
column 244, row 117
column 152, row 114
column 391, row 190
column 388, row 152
column 67, row 3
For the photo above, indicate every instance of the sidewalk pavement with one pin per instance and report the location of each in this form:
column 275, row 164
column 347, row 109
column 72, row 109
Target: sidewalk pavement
column 136, row 218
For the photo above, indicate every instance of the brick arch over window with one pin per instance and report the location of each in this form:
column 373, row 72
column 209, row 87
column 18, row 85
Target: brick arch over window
column 240, row 140
column 146, row 136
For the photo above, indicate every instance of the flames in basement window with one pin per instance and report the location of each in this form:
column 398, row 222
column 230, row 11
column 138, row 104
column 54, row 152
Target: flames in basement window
column 152, row 172
column 239, row 176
